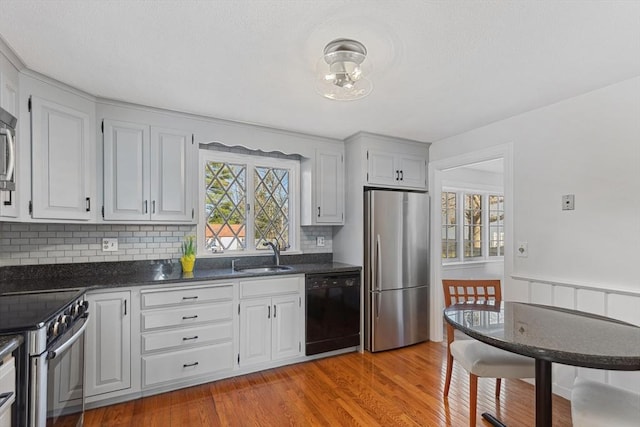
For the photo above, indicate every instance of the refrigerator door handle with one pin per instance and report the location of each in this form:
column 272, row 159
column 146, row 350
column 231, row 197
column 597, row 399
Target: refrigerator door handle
column 378, row 299
column 378, row 264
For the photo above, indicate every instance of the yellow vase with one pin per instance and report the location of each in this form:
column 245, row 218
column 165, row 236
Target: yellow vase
column 187, row 264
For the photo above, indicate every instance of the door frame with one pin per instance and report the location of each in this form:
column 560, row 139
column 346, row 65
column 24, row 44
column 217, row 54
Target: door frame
column 436, row 169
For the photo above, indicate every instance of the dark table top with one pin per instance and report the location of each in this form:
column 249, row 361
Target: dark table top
column 550, row 333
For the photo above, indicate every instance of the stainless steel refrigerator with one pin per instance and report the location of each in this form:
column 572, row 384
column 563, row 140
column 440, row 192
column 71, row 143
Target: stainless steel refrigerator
column 396, row 268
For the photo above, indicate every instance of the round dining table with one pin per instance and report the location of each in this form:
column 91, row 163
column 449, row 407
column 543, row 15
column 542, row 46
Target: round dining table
column 549, row 335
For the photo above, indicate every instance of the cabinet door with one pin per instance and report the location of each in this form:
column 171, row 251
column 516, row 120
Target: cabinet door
column 413, row 171
column 381, row 168
column 108, row 343
column 61, row 153
column 126, row 171
column 255, row 331
column 329, row 176
column 9, row 101
column 172, row 169
column 286, row 327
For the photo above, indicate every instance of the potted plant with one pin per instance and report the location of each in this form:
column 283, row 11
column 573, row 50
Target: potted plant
column 188, row 257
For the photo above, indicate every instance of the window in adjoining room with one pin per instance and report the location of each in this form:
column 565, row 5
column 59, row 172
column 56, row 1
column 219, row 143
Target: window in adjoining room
column 472, row 225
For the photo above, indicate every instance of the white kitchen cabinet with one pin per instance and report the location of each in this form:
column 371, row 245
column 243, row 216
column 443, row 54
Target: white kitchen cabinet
column 63, row 158
column 270, row 318
column 384, row 161
column 255, row 331
column 323, row 187
column 187, row 333
column 396, row 169
column 286, row 340
column 148, row 173
column 108, row 343
column 7, row 385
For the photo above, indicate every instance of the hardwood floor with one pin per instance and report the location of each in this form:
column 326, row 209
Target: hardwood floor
column 395, row 388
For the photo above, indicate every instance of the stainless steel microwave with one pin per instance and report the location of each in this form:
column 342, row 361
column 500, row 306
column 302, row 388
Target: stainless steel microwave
column 7, row 150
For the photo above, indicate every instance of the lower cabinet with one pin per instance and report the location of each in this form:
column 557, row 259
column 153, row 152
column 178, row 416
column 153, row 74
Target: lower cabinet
column 108, row 343
column 270, row 318
column 146, row 340
column 187, row 333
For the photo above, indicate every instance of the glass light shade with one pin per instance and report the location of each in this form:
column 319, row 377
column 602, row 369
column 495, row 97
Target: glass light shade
column 341, row 76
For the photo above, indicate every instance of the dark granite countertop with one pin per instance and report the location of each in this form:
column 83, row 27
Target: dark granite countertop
column 102, row 275
column 8, row 343
column 549, row 333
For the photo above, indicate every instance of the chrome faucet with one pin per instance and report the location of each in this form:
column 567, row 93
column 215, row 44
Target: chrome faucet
column 276, row 251
column 233, row 264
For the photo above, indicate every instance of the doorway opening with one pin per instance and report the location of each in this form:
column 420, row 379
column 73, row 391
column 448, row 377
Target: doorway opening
column 471, row 221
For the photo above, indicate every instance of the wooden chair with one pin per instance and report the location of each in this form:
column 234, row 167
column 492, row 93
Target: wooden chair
column 477, row 358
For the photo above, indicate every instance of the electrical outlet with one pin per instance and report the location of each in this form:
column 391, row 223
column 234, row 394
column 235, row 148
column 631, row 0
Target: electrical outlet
column 568, row 202
column 523, row 249
column 320, row 241
column 109, row 245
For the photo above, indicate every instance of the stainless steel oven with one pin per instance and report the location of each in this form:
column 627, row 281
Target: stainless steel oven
column 51, row 386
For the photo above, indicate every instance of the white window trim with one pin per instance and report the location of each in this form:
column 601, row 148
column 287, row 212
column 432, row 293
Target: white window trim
column 251, row 162
column 486, row 191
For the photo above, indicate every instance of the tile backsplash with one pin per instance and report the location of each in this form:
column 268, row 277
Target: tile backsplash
column 25, row 244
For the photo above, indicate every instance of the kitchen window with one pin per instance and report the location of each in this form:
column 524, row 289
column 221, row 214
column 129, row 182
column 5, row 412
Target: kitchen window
column 472, row 225
column 246, row 201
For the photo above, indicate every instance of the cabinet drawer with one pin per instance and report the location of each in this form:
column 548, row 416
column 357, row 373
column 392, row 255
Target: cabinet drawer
column 272, row 286
column 187, row 363
column 7, row 384
column 183, row 316
column 187, row 337
column 187, row 295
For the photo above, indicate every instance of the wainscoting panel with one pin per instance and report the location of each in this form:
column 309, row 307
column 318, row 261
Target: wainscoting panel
column 618, row 304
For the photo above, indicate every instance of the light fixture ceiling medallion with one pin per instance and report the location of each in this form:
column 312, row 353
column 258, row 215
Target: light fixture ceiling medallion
column 340, row 71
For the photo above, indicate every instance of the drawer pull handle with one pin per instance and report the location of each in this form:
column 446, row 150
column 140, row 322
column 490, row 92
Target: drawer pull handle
column 188, row 365
column 188, row 298
column 195, row 316
column 195, row 337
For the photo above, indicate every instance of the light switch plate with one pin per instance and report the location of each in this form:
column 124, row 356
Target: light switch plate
column 109, row 245
column 320, row 241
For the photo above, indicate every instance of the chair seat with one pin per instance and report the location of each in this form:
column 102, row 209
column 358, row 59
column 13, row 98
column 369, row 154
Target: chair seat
column 597, row 404
column 484, row 360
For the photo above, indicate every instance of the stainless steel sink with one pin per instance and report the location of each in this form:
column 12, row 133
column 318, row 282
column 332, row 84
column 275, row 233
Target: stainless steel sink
column 265, row 269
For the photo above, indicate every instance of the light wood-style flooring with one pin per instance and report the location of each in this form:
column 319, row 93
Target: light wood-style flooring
column 394, row 388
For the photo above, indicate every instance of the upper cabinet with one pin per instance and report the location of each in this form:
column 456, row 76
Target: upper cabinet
column 396, row 169
column 148, row 173
column 391, row 162
column 323, row 187
column 62, row 160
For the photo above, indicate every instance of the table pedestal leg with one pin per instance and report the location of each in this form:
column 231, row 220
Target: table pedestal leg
column 543, row 393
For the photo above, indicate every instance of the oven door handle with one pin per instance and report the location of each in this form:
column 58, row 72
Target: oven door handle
column 68, row 343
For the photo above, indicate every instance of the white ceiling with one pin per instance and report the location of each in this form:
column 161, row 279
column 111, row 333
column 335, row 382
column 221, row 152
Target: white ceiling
column 439, row 67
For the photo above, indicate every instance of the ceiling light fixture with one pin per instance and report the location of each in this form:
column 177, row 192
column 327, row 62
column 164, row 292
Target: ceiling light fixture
column 340, row 71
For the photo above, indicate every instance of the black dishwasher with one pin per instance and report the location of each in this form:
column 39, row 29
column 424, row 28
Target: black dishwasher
column 333, row 311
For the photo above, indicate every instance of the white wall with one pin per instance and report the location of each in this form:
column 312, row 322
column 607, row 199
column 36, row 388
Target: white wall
column 587, row 259
column 588, row 146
